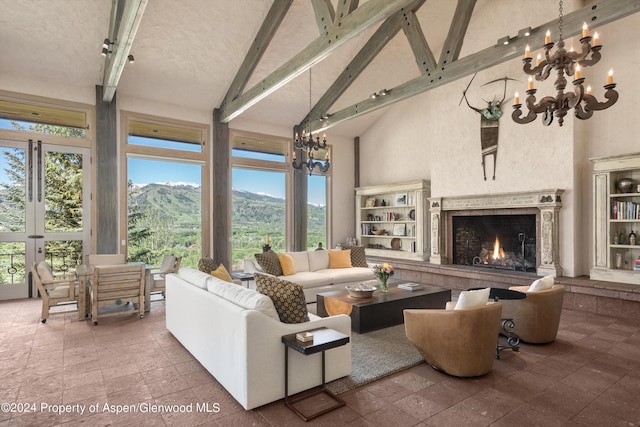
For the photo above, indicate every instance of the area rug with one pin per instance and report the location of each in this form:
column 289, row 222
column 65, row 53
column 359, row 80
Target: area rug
column 377, row 354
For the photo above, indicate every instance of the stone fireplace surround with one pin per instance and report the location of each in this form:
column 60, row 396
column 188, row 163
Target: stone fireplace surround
column 545, row 204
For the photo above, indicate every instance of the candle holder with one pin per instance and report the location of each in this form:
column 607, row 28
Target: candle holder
column 266, row 247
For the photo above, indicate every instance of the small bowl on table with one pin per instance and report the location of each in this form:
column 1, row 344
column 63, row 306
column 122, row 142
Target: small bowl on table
column 361, row 290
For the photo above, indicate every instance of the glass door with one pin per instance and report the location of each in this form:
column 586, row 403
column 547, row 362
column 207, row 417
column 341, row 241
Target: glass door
column 45, row 211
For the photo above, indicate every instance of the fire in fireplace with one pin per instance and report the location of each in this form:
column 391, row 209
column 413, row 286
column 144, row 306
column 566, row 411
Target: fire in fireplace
column 495, row 241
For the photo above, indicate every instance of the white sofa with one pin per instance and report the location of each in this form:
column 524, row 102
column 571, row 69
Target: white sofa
column 314, row 274
column 235, row 333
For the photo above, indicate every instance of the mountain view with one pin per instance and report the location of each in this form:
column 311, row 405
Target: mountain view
column 254, row 216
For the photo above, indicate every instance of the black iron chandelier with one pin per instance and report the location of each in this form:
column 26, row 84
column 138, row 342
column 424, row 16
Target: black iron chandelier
column 567, row 63
column 306, row 145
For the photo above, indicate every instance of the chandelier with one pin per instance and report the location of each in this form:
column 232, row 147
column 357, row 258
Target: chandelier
column 306, row 144
column 567, row 63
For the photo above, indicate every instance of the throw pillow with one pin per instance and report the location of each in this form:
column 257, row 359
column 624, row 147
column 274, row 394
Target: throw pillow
column 44, row 271
column 168, row 262
column 358, row 256
column 318, row 260
column 207, row 265
column 222, row 274
column 300, row 260
column 269, row 262
column 340, row 258
column 472, row 299
column 287, row 264
column 288, row 298
column 542, row 284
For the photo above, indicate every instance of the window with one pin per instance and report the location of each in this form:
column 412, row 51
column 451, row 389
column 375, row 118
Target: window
column 166, row 187
column 262, row 203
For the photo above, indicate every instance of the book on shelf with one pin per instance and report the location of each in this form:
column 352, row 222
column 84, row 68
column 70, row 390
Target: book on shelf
column 411, row 286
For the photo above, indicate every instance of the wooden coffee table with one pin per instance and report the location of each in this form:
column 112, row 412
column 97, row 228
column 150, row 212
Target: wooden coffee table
column 382, row 309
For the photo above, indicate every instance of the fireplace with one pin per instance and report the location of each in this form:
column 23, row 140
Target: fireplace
column 515, row 231
column 506, row 241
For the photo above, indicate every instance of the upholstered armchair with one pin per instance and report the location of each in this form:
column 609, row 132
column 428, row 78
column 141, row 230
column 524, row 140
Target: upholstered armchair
column 536, row 318
column 459, row 342
column 54, row 292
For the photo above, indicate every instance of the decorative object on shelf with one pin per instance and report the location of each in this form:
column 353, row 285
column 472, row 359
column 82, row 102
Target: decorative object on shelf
column 401, row 199
column 632, row 238
column 361, row 290
column 565, row 63
column 370, row 202
column 396, row 243
column 383, row 272
column 412, row 214
column 399, row 229
column 625, row 185
column 383, row 203
column 380, row 232
column 306, row 144
column 619, row 261
column 622, row 238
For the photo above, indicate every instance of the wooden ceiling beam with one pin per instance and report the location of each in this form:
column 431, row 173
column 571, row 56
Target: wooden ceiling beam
column 260, row 43
column 363, row 58
column 353, row 24
column 596, row 14
column 457, row 31
column 324, row 13
column 124, row 26
column 424, row 57
column 345, row 7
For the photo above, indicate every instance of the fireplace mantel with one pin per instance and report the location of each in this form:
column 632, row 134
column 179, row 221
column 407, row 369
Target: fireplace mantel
column 548, row 202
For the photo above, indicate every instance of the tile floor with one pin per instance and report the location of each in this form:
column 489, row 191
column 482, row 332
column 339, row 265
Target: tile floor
column 590, row 376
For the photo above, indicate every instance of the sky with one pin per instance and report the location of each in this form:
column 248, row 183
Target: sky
column 143, row 171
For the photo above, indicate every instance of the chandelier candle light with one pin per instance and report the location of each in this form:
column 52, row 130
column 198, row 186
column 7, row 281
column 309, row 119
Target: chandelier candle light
column 567, row 63
column 307, row 144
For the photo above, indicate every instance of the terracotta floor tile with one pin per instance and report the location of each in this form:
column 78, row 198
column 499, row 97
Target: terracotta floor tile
column 589, row 376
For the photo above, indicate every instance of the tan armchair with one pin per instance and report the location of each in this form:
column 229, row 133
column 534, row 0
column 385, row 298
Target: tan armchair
column 459, row 342
column 117, row 285
column 170, row 264
column 54, row 292
column 536, row 318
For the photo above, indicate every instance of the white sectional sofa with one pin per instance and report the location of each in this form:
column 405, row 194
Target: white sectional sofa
column 314, row 274
column 235, row 333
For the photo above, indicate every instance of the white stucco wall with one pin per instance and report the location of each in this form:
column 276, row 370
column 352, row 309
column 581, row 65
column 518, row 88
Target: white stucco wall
column 432, row 137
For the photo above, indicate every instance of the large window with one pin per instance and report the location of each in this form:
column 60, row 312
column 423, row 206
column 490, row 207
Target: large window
column 166, row 195
column 262, row 197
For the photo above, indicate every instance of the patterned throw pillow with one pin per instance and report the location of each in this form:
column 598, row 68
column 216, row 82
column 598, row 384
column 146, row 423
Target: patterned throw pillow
column 288, row 298
column 270, row 263
column 358, row 256
column 207, row 265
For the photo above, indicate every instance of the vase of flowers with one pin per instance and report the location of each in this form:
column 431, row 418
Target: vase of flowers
column 383, row 272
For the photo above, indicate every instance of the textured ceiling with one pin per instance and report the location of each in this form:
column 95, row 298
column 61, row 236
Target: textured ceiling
column 188, row 52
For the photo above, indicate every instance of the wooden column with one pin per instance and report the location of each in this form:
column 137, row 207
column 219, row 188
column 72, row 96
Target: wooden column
column 106, row 164
column 300, row 203
column 221, row 198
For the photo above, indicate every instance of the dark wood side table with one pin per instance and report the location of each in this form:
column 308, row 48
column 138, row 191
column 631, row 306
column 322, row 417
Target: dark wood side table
column 323, row 339
column 244, row 278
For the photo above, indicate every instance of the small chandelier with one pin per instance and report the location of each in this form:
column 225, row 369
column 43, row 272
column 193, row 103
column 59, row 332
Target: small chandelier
column 565, row 63
column 307, row 144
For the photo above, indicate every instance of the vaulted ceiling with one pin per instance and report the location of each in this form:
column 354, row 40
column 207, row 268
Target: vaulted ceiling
column 206, row 54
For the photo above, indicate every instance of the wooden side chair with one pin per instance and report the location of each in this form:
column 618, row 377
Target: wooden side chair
column 54, row 292
column 106, row 259
column 170, row 264
column 117, row 285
